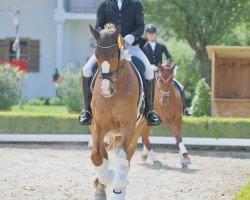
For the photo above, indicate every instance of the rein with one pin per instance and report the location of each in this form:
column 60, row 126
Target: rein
column 111, row 76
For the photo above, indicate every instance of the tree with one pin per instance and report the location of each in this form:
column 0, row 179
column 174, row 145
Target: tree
column 201, row 104
column 199, row 22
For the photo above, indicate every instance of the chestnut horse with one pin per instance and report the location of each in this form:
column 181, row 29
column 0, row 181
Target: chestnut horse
column 114, row 106
column 169, row 106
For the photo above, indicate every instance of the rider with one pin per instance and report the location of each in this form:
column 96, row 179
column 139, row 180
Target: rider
column 129, row 15
column 154, row 52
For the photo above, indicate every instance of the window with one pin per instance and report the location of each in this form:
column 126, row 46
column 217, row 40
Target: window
column 29, row 51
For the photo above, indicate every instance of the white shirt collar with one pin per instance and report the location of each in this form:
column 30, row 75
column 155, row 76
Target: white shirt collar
column 152, row 44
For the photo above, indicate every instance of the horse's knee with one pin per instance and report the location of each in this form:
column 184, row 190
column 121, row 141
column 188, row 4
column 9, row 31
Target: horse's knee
column 96, row 158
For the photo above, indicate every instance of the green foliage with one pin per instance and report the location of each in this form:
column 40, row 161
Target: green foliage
column 200, row 23
column 210, row 127
column 244, row 194
column 201, row 104
column 41, row 123
column 27, row 123
column 56, row 101
column 11, row 79
column 69, row 89
column 36, row 109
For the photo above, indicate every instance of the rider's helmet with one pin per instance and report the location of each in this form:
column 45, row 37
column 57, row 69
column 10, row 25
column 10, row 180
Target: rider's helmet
column 151, row 28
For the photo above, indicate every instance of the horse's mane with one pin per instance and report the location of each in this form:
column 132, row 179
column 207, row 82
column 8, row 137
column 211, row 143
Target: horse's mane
column 111, row 26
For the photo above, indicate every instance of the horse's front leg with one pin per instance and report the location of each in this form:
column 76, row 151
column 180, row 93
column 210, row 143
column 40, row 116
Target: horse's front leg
column 174, row 128
column 121, row 165
column 99, row 158
column 147, row 147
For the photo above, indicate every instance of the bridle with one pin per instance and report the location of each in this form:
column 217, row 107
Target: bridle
column 111, row 76
column 162, row 92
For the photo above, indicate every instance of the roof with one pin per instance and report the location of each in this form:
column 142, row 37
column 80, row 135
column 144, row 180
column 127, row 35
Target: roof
column 229, row 51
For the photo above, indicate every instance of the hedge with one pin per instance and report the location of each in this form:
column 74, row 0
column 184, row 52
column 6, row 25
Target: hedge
column 21, row 123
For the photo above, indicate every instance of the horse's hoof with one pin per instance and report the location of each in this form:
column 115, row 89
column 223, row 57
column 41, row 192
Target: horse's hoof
column 184, row 168
column 144, row 157
column 118, row 195
column 100, row 196
column 185, row 160
column 157, row 163
column 100, row 193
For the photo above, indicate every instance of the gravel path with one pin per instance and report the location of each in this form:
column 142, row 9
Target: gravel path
column 63, row 171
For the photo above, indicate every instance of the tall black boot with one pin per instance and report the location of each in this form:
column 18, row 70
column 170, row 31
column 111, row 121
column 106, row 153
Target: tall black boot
column 86, row 114
column 186, row 111
column 151, row 116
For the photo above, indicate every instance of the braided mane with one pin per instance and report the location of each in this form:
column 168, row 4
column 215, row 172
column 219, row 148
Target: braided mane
column 111, row 26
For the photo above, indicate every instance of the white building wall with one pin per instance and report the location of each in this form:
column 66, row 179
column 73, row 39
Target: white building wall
column 77, row 41
column 37, row 21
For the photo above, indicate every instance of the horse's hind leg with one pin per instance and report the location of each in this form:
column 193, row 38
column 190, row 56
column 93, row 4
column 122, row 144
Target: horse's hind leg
column 147, row 147
column 99, row 158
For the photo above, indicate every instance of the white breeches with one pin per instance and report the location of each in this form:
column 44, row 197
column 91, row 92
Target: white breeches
column 134, row 51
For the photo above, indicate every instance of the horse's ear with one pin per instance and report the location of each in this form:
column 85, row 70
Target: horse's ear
column 94, row 32
column 173, row 66
column 117, row 32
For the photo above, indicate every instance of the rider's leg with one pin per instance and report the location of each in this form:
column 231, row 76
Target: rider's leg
column 151, row 116
column 87, row 73
column 181, row 89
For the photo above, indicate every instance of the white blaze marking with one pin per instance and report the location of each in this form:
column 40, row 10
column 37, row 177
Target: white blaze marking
column 105, row 82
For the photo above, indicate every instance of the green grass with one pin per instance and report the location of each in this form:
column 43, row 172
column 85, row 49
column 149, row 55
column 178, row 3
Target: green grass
column 39, row 109
column 244, row 194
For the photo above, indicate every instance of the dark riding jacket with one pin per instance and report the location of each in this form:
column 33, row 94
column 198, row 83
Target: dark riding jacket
column 155, row 56
column 130, row 17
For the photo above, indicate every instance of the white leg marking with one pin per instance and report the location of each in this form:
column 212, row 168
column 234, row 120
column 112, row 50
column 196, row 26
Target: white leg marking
column 182, row 148
column 152, row 156
column 104, row 174
column 105, row 82
column 145, row 150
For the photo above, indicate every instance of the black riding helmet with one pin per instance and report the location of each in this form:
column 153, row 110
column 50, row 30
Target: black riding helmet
column 151, row 28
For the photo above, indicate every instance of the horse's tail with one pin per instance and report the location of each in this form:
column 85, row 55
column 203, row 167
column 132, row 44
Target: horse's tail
column 114, row 142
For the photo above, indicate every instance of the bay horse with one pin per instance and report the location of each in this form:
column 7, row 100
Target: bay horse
column 114, row 105
column 169, row 106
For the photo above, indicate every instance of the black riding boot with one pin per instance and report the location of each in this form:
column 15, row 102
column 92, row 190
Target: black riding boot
column 151, row 116
column 86, row 114
column 186, row 111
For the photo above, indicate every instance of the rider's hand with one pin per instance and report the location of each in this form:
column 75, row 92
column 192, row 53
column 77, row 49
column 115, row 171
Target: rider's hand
column 129, row 39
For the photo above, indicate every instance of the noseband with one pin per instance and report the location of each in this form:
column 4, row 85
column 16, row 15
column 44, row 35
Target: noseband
column 111, row 76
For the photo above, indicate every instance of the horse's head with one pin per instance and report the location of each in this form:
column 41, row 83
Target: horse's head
column 108, row 46
column 164, row 80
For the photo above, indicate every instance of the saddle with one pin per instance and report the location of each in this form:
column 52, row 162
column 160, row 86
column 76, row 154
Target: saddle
column 139, row 68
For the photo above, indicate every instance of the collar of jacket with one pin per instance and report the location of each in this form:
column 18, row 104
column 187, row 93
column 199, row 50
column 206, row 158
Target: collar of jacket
column 125, row 3
column 149, row 46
